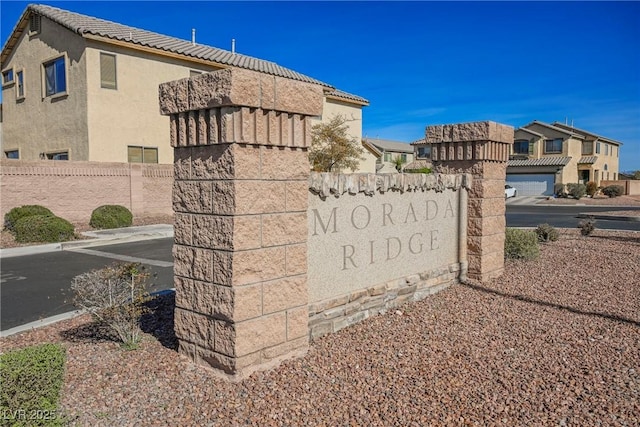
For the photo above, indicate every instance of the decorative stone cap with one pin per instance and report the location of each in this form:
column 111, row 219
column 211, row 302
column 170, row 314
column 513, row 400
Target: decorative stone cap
column 470, row 132
column 243, row 88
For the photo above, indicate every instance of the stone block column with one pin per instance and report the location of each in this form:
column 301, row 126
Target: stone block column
column 240, row 194
column 482, row 149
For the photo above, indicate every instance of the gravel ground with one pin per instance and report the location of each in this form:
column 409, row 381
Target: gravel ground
column 554, row 341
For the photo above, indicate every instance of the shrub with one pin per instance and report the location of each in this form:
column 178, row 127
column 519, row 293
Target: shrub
column 613, row 190
column 521, row 244
column 11, row 217
column 577, row 191
column 547, row 233
column 587, row 226
column 44, row 228
column 111, row 216
column 31, row 381
column 421, row 170
column 115, row 296
column 558, row 190
column 592, row 187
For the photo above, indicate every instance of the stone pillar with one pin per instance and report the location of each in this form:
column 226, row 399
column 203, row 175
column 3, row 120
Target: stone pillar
column 482, row 149
column 240, row 194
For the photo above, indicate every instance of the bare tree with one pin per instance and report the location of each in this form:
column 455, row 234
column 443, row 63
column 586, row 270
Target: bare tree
column 332, row 148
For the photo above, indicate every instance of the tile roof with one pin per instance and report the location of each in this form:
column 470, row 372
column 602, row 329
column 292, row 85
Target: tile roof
column 422, row 140
column 588, row 159
column 557, row 129
column 574, row 129
column 87, row 25
column 386, row 145
column 545, row 161
column 530, row 131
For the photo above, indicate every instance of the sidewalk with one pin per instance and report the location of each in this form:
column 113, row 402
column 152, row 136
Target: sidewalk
column 97, row 238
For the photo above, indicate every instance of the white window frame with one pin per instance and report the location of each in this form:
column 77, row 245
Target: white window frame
column 50, row 154
column 8, row 83
column 18, row 85
column 66, row 76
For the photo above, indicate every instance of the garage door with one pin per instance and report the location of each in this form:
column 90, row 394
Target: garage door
column 532, row 184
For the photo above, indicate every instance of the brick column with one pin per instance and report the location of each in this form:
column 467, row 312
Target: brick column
column 240, row 143
column 482, row 149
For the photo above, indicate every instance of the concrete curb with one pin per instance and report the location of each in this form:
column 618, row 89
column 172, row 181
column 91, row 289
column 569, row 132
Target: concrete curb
column 60, row 317
column 121, row 235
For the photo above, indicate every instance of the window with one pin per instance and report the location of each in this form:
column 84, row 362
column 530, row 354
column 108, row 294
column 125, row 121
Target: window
column 20, row 84
column 7, row 77
column 60, row 155
column 606, row 149
column 597, row 148
column 521, row 147
column 424, row 152
column 587, row 147
column 606, row 167
column 108, row 71
column 553, row 145
column 403, row 157
column 142, row 154
column 12, row 154
column 34, row 24
column 387, row 157
column 55, row 76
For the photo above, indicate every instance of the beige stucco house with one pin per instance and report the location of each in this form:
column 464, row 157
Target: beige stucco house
column 546, row 154
column 75, row 87
column 389, row 151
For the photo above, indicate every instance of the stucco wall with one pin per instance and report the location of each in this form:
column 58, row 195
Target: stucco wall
column 631, row 187
column 37, row 124
column 73, row 190
column 129, row 114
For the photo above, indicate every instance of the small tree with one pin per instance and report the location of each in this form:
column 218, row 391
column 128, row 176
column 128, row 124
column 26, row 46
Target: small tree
column 332, row 149
column 398, row 163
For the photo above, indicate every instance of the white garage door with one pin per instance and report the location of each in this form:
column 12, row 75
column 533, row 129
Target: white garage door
column 532, row 184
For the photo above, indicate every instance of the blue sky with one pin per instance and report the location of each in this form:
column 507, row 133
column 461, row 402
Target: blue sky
column 421, row 63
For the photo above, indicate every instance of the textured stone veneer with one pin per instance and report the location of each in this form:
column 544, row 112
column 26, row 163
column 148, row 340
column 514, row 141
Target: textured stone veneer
column 481, row 149
column 240, row 202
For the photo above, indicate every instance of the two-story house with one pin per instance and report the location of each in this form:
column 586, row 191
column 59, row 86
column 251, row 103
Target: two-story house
column 546, row 154
column 75, row 87
column 390, row 153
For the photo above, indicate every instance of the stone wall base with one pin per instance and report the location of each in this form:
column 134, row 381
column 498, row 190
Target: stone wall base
column 331, row 315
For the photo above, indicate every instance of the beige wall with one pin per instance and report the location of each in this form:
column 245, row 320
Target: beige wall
column 35, row 124
column 73, row 190
column 130, row 115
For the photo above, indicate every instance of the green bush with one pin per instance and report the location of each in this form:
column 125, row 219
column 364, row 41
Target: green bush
column 31, row 381
column 558, row 190
column 577, row 191
column 547, row 233
column 12, row 217
column 44, row 228
column 587, row 226
column 613, row 190
column 521, row 244
column 421, row 170
column 111, row 216
column 592, row 187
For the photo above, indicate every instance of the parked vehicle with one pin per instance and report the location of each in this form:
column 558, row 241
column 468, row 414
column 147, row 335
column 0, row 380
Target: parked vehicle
column 509, row 191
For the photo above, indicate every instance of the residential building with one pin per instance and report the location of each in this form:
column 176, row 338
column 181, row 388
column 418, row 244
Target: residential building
column 421, row 155
column 390, row 151
column 546, row 154
column 76, row 87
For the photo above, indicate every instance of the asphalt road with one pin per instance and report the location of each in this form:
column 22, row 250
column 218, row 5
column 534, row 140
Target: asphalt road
column 565, row 216
column 35, row 287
